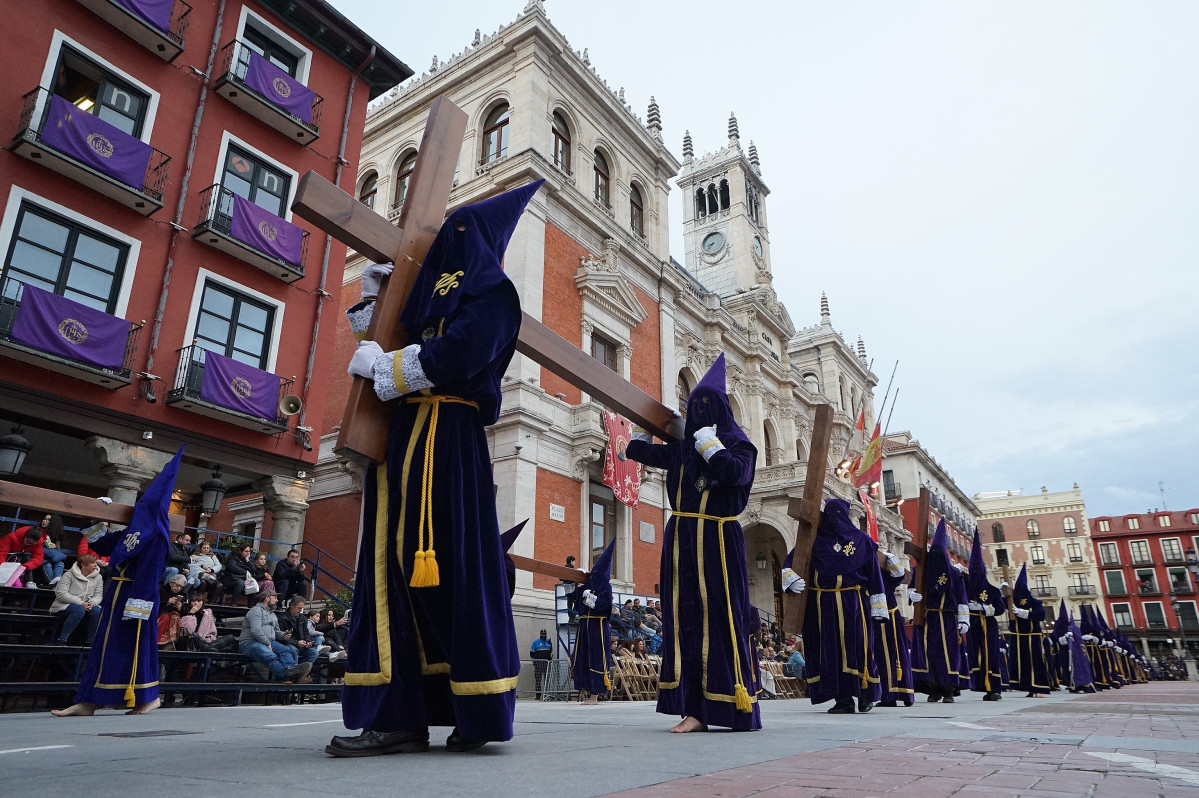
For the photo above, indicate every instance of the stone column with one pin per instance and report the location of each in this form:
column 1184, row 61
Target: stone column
column 287, row 500
column 128, row 468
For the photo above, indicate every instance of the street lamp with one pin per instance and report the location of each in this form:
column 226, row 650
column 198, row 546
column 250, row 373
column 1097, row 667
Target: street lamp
column 1187, row 660
column 212, row 493
column 13, row 449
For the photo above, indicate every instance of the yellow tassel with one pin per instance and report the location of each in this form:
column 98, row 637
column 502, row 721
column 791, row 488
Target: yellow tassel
column 130, row 700
column 432, row 575
column 741, row 696
column 607, row 681
column 419, row 573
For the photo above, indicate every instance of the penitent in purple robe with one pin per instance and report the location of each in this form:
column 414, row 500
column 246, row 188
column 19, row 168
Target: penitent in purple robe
column 936, row 646
column 838, row 633
column 593, row 656
column 442, row 654
column 122, row 666
column 1027, row 658
column 706, row 612
column 892, row 654
column 983, row 645
column 1073, row 667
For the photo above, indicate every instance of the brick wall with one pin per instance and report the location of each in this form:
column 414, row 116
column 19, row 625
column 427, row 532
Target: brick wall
column 556, row 540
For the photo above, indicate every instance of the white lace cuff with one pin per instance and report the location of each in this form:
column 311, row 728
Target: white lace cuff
column 360, row 318
column 399, row 373
column 137, row 610
column 710, row 448
column 642, row 435
column 95, row 532
column 385, row 377
column 878, row 601
column 789, row 578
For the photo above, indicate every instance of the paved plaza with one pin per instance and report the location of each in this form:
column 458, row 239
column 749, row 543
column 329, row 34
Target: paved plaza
column 1140, row 741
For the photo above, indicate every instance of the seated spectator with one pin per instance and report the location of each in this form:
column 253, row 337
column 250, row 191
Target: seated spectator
column 54, row 558
column 209, row 571
column 76, row 595
column 795, row 664
column 169, row 618
column 264, row 642
column 296, row 623
column 638, row 610
column 174, row 588
column 179, row 560
column 237, row 568
column 198, row 626
column 290, row 579
column 626, row 612
column 639, row 630
column 639, row 650
column 258, row 569
column 24, row 546
column 334, row 630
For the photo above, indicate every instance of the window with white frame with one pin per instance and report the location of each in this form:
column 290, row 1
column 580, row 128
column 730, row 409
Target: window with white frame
column 1140, row 552
column 1034, row 529
column 1179, row 581
column 1080, row 584
column 1109, row 554
column 1133, row 523
column 1105, row 525
column 1163, row 520
column 561, row 133
column 403, row 176
column 1114, row 581
column 1122, row 615
column 368, row 192
column 1074, row 552
column 495, row 134
column 1069, row 526
column 91, row 87
column 234, row 324
column 255, row 179
column 1147, row 582
column 1155, row 617
column 1171, row 550
column 1038, row 554
column 274, row 45
column 1185, row 612
column 1195, row 518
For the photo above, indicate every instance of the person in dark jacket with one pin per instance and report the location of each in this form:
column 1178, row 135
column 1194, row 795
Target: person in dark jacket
column 179, row 560
column 290, row 579
column 295, row 620
column 237, row 567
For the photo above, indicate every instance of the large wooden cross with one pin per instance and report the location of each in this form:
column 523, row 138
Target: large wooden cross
column 806, row 510
column 54, row 501
column 917, row 549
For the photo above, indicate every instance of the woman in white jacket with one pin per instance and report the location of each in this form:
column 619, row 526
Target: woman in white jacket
column 76, row 595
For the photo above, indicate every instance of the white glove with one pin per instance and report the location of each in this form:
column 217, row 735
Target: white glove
column 706, row 442
column 589, row 598
column 372, row 278
column 975, row 606
column 793, row 582
column 1004, row 586
column 988, row 609
column 894, row 566
column 1069, row 635
column 674, row 411
column 1090, row 638
column 1109, row 644
column 362, row 364
column 104, row 499
column 878, row 613
column 1020, row 613
column 1064, row 639
column 963, row 627
column 914, row 597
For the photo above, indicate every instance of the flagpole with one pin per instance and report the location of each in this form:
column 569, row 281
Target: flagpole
column 888, row 424
column 888, row 393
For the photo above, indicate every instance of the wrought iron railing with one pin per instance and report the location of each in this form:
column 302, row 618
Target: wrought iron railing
column 189, row 379
column 235, row 58
column 10, row 302
column 216, row 213
column 34, row 111
column 1082, row 590
column 1044, row 592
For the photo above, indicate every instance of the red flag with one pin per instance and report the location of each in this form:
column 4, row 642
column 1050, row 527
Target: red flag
column 857, row 441
column 870, row 469
column 871, row 518
column 622, row 475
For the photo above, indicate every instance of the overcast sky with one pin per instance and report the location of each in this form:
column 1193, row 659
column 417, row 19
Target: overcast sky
column 1004, row 196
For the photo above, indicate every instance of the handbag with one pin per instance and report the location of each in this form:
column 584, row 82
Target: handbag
column 251, row 585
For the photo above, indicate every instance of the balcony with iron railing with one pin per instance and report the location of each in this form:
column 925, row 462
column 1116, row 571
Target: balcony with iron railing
column 159, row 30
column 1082, row 590
column 97, row 348
column 258, row 242
column 1148, row 590
column 230, row 400
column 1044, row 592
column 269, row 94
column 84, row 148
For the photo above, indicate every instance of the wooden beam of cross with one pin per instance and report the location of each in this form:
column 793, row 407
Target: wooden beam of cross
column 917, row 549
column 1007, row 595
column 806, row 511
column 363, row 433
column 54, row 501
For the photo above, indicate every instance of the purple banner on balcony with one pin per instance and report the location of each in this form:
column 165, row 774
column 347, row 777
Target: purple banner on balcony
column 279, row 87
column 156, row 12
column 60, row 326
column 235, row 385
column 266, row 232
column 94, row 142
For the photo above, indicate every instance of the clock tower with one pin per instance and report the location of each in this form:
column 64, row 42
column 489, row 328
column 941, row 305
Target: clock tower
column 725, row 238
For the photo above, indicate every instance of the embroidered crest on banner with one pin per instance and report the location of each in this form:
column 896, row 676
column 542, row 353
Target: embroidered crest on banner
column 282, row 87
column 72, row 331
column 447, row 282
column 100, row 143
column 268, row 230
column 241, row 387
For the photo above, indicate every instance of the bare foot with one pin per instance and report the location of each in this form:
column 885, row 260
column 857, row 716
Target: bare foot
column 591, row 701
column 146, row 708
column 689, row 724
column 82, row 710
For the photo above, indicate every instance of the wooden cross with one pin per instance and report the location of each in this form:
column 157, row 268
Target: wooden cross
column 806, row 510
column 1007, row 594
column 54, row 501
column 917, row 549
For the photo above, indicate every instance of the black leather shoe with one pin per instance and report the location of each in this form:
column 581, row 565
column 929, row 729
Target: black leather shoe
column 865, row 706
column 375, row 743
column 947, row 699
column 888, row 704
column 456, row 744
column 932, row 699
column 992, row 697
column 842, row 709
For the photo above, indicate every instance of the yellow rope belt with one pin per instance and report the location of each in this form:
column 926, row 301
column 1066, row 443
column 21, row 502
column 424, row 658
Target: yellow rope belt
column 740, row 694
column 865, row 624
column 424, row 565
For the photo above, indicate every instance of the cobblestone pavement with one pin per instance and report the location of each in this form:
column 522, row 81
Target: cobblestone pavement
column 1140, row 741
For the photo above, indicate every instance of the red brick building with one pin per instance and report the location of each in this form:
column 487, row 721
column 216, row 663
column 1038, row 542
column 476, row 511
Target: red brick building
column 1148, row 591
column 156, row 149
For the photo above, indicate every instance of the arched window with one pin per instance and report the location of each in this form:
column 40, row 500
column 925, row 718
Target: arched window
column 403, row 175
column 701, row 204
column 636, row 212
column 997, row 532
column 811, row 382
column 751, row 203
column 369, row 190
column 561, row 143
column 602, row 180
column 1034, row 529
column 495, row 134
column 724, row 195
column 768, row 440
column 713, row 201
column 1069, row 525
column 684, row 391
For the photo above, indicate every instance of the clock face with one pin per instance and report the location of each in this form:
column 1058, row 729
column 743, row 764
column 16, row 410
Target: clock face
column 757, row 246
column 713, row 242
